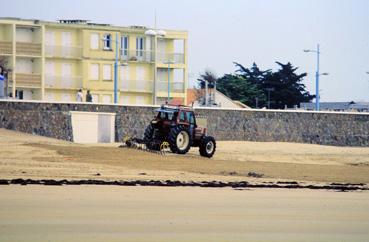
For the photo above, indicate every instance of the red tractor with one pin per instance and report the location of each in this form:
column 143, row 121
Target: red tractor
column 176, row 126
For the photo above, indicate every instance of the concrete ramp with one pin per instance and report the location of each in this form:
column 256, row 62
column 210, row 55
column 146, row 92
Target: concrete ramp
column 93, row 127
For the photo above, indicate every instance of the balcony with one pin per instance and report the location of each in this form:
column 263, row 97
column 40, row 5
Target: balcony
column 63, row 82
column 177, row 58
column 149, row 56
column 28, row 80
column 74, row 52
column 6, row 48
column 28, row 49
column 137, row 56
column 136, row 86
column 175, row 87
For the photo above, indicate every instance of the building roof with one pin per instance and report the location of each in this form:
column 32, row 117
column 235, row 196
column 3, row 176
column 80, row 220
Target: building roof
column 81, row 23
column 192, row 98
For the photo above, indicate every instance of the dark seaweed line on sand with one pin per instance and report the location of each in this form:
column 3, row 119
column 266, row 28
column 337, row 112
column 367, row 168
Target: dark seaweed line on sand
column 169, row 183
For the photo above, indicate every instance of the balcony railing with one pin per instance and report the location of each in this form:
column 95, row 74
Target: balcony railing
column 136, row 86
column 137, row 55
column 63, row 82
column 149, row 56
column 32, row 49
column 177, row 58
column 6, row 47
column 27, row 80
column 63, row 51
column 175, row 87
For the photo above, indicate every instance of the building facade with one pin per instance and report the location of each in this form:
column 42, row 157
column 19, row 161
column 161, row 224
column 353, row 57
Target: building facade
column 51, row 61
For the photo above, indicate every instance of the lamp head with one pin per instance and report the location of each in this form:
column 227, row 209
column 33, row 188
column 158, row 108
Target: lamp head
column 161, row 33
column 150, row 32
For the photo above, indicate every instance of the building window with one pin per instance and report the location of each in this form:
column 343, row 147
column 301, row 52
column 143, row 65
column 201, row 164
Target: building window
column 107, row 72
column 107, row 42
column 94, row 41
column 94, row 72
column 139, row 46
column 124, row 47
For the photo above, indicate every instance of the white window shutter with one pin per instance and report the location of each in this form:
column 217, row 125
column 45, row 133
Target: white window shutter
column 66, row 79
column 107, row 72
column 50, row 68
column 124, row 77
column 66, row 39
column 140, row 73
column 50, row 38
column 94, row 71
column 94, row 41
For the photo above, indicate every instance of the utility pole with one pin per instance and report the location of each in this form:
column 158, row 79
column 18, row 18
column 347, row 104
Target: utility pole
column 270, row 89
column 116, row 69
column 317, row 75
column 317, row 103
column 206, row 93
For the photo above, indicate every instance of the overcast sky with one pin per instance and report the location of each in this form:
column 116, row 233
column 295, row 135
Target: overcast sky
column 261, row 31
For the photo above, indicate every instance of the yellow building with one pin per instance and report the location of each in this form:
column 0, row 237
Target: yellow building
column 51, row 61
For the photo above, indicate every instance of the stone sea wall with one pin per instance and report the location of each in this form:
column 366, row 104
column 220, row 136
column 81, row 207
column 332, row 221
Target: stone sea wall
column 53, row 120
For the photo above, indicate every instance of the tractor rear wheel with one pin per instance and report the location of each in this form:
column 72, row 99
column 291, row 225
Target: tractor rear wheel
column 207, row 146
column 179, row 140
column 149, row 133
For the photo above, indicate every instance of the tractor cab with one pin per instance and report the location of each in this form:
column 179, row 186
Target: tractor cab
column 175, row 115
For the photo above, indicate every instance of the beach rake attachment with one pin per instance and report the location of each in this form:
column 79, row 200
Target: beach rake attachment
column 154, row 146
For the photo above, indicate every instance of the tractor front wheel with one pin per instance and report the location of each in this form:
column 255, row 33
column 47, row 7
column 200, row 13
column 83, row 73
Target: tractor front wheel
column 207, row 146
column 179, row 140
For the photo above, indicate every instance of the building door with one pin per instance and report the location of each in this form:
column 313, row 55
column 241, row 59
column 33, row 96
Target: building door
column 140, row 48
column 124, row 47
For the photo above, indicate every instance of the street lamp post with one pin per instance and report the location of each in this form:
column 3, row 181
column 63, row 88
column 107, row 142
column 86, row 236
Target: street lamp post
column 116, row 69
column 317, row 98
column 115, row 65
column 169, row 62
column 367, row 72
column 270, row 89
column 155, row 33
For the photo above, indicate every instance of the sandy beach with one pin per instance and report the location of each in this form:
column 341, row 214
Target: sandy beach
column 112, row 213
column 151, row 213
column 28, row 156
